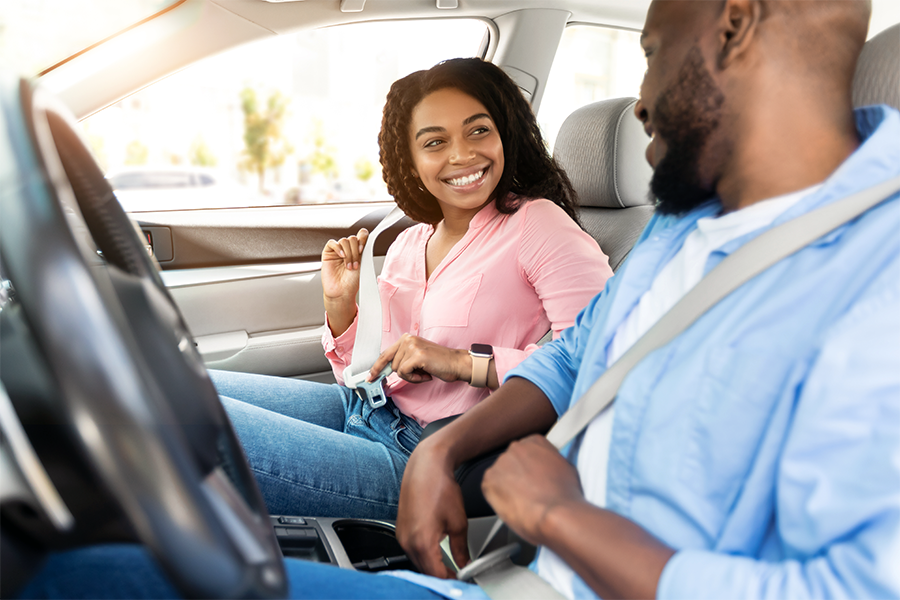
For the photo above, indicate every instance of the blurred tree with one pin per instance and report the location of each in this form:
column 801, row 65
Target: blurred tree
column 136, row 153
column 264, row 141
column 364, row 169
column 201, row 154
column 321, row 159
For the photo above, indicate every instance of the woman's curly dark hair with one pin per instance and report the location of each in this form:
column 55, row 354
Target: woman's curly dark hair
column 529, row 170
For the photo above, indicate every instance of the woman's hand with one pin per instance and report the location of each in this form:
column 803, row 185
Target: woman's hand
column 416, row 360
column 340, row 279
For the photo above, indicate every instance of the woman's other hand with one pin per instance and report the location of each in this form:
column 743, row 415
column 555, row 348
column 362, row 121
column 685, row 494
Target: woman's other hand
column 416, row 360
column 340, row 279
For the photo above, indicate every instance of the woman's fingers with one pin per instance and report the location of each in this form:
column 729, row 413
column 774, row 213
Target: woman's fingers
column 362, row 237
column 353, row 248
column 348, row 249
column 382, row 361
column 350, row 252
column 417, row 360
column 331, row 250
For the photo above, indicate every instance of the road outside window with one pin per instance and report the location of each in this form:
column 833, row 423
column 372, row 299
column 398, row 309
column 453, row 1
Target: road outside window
column 293, row 120
column 592, row 64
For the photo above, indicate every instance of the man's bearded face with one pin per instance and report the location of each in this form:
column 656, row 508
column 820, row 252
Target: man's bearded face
column 686, row 115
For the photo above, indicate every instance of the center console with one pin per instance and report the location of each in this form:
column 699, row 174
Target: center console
column 360, row 544
column 368, row 544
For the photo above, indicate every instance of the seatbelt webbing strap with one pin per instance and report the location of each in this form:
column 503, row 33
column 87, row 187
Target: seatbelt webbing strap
column 367, row 345
column 507, row 581
column 749, row 260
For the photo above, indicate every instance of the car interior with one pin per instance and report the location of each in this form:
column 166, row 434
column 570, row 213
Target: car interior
column 110, row 428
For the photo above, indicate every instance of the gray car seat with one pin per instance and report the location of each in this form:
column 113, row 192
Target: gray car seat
column 877, row 78
column 601, row 146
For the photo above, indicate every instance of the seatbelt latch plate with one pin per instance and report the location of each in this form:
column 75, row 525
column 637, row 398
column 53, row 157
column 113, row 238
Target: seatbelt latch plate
column 368, row 391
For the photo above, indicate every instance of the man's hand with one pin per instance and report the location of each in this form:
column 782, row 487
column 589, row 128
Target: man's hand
column 431, row 507
column 538, row 494
column 431, row 504
column 416, row 360
column 527, row 482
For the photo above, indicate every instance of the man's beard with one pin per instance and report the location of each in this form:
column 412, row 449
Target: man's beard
column 686, row 115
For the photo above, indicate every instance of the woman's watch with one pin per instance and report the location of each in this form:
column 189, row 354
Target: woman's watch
column 481, row 354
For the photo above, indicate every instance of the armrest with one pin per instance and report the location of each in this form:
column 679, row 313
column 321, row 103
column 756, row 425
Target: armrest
column 469, row 474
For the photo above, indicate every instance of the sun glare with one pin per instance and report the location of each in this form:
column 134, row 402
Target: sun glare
column 36, row 34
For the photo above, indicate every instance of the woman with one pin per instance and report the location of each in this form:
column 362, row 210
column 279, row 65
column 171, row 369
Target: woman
column 492, row 262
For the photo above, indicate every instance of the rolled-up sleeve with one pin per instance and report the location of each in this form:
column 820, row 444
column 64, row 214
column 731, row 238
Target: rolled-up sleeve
column 339, row 350
column 555, row 368
column 562, row 263
column 837, row 489
column 565, row 267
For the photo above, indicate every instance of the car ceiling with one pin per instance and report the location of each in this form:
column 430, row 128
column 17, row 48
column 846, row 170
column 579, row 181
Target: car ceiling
column 282, row 17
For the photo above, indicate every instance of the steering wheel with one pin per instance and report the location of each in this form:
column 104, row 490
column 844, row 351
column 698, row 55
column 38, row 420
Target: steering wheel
column 134, row 396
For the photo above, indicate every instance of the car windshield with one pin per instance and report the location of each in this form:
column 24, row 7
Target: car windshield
column 37, row 35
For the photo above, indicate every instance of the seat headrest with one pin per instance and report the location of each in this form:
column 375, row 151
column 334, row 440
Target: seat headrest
column 601, row 146
column 877, row 77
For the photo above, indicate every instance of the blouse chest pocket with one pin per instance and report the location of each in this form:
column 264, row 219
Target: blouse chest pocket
column 450, row 305
column 386, row 291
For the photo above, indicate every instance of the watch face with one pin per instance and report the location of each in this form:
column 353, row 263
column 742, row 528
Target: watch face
column 482, row 349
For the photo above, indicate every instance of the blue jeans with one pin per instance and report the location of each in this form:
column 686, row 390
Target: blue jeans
column 128, row 571
column 317, row 449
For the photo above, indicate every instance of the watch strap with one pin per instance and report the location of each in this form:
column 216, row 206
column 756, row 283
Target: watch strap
column 481, row 365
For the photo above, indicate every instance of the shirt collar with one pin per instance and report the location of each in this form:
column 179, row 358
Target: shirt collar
column 877, row 159
column 484, row 216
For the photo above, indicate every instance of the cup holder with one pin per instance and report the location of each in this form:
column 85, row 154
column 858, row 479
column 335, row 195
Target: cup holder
column 371, row 545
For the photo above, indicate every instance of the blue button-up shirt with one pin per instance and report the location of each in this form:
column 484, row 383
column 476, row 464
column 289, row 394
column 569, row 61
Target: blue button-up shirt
column 763, row 444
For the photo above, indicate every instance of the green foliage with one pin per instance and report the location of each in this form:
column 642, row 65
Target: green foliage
column 364, row 169
column 136, row 153
column 322, row 158
column 201, row 154
column 265, row 146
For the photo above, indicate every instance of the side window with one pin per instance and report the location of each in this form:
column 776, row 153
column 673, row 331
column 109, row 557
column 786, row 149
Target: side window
column 291, row 120
column 592, row 64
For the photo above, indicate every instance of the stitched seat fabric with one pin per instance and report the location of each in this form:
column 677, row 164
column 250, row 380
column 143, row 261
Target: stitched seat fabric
column 877, row 78
column 601, row 146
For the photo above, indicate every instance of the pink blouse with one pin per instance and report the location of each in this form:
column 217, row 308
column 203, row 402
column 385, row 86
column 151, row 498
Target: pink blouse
column 508, row 281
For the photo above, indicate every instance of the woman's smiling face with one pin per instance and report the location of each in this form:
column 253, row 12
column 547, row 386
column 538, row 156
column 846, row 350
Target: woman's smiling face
column 456, row 150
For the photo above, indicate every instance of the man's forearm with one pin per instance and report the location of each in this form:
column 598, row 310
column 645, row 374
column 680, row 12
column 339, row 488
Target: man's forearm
column 616, row 557
column 517, row 409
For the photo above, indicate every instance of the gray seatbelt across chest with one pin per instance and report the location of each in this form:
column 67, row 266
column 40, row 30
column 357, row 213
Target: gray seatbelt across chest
column 495, row 572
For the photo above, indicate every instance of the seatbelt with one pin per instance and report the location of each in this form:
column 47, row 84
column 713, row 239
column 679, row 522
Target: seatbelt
column 502, row 580
column 367, row 345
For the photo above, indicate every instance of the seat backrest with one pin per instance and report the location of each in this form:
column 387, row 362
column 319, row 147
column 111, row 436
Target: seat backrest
column 877, row 78
column 601, row 146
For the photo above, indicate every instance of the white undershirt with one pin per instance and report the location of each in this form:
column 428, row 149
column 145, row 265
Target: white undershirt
column 675, row 280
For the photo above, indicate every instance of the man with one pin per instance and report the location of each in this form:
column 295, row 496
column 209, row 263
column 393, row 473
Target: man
column 758, row 454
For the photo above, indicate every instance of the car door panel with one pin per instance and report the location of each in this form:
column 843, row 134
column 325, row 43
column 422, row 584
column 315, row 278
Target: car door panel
column 267, row 235
column 248, row 309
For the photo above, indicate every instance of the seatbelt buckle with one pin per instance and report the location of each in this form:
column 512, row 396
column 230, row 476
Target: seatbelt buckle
column 368, row 391
column 491, row 560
